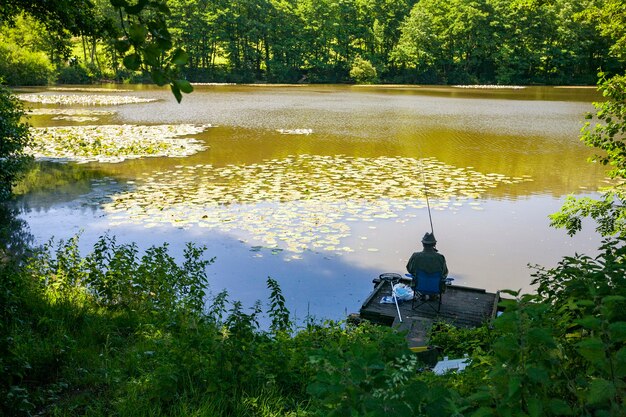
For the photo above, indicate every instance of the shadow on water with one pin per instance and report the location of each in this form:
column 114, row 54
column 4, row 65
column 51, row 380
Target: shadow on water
column 50, row 183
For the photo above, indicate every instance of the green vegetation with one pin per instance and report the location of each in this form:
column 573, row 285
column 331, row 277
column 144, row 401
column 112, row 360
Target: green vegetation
column 391, row 41
column 116, row 333
column 113, row 143
column 121, row 333
column 607, row 135
column 134, row 34
column 362, row 71
column 14, row 137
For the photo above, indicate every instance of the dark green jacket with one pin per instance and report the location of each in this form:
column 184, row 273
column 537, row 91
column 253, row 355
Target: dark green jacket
column 427, row 261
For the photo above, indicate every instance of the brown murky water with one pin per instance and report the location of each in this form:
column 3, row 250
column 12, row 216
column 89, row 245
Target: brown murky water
column 324, row 187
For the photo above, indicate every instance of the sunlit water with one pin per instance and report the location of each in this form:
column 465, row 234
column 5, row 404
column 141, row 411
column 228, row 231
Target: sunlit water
column 324, row 187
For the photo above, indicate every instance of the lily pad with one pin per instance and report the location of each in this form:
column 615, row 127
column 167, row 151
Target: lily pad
column 113, row 143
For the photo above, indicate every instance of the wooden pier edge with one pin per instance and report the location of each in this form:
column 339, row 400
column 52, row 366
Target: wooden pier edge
column 461, row 306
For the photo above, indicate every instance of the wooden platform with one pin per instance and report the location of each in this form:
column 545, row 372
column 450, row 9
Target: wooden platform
column 461, row 306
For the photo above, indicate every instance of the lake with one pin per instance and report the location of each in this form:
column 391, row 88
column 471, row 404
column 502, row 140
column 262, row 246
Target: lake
column 325, row 187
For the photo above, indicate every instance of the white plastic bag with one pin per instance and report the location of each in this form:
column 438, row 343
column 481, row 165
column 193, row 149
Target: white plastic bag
column 403, row 292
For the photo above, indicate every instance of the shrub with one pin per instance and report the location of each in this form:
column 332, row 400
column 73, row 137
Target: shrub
column 19, row 66
column 362, row 71
column 74, row 74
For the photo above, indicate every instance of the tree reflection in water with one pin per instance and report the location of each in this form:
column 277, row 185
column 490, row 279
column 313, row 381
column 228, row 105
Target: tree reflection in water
column 15, row 236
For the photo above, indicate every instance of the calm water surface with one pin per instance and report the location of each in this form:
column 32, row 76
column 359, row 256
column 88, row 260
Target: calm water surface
column 323, row 187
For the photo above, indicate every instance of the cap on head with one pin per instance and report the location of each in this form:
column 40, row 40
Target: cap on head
column 429, row 239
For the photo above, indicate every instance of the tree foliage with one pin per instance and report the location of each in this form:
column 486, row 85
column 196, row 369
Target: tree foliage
column 434, row 41
column 14, row 136
column 141, row 35
column 607, row 135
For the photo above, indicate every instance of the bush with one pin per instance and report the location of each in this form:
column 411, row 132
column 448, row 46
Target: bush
column 362, row 71
column 20, row 66
column 74, row 74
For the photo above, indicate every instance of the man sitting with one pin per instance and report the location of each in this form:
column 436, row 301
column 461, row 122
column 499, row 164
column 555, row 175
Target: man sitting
column 428, row 260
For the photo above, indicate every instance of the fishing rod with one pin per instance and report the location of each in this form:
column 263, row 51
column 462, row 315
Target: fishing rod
column 430, row 217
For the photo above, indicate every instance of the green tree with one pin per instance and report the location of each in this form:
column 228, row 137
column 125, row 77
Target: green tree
column 545, row 42
column 194, row 26
column 609, row 136
column 142, row 37
column 447, row 41
column 24, row 52
column 14, row 136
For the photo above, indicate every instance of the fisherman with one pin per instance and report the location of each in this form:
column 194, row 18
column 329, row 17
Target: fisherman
column 428, row 260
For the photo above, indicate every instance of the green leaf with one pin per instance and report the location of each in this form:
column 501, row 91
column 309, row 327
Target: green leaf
column 176, row 91
column 158, row 76
column 162, row 8
column 137, row 33
column 511, row 292
column 480, row 396
column 589, row 322
column 536, row 374
column 540, row 337
column 515, row 384
column 179, row 57
column 617, row 331
column 122, row 46
column 151, row 54
column 164, row 43
column 137, row 8
column 316, row 389
column 592, row 350
column 132, row 62
column 601, row 391
column 184, row 86
column 535, row 408
column 614, row 299
column 560, row 407
column 620, row 363
column 484, row 412
column 118, row 3
column 585, row 303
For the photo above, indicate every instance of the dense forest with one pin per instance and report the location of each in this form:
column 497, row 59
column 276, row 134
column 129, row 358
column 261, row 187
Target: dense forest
column 363, row 41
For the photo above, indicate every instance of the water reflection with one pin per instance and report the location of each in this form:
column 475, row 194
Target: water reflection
column 15, row 236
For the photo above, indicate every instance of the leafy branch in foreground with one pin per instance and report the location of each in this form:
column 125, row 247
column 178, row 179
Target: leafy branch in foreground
column 608, row 135
column 147, row 43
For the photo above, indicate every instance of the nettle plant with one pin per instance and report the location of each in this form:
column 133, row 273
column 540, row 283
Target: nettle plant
column 115, row 276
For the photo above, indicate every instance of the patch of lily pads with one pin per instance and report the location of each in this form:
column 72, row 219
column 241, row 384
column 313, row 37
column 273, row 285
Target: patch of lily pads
column 492, row 87
column 114, row 143
column 299, row 203
column 295, row 131
column 83, row 99
column 69, row 112
column 91, row 89
column 78, row 119
column 71, row 115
